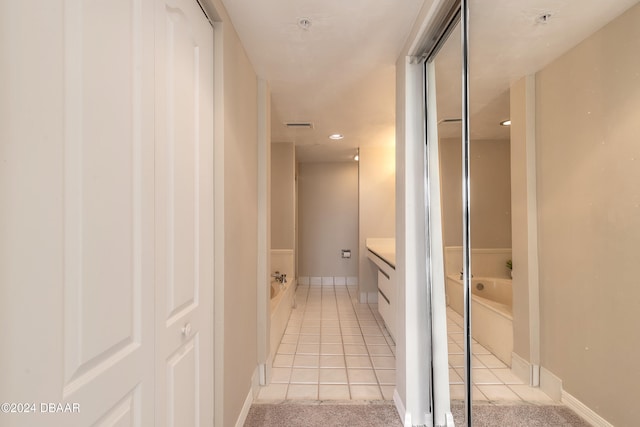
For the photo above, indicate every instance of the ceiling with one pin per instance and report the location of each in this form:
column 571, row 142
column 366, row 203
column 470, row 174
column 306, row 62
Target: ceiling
column 338, row 72
column 508, row 40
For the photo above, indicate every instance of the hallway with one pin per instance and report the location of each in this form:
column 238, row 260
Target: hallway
column 335, row 348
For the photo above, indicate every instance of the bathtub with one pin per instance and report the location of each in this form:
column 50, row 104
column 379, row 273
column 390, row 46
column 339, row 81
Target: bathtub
column 491, row 312
column 281, row 305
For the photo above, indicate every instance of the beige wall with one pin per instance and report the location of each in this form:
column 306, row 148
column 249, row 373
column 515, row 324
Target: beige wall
column 282, row 196
column 377, row 216
column 588, row 150
column 328, row 218
column 521, row 213
column 236, row 222
column 490, row 193
column 412, row 391
column 401, row 227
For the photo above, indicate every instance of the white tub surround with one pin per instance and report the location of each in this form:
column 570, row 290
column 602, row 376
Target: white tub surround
column 282, row 295
column 282, row 260
column 281, row 305
column 382, row 252
column 491, row 313
column 487, row 262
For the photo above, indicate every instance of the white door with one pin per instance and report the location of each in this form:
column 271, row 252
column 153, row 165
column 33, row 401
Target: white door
column 78, row 311
column 98, row 279
column 108, row 335
column 184, row 215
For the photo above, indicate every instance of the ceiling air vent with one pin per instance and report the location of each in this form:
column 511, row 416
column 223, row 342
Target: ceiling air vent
column 299, row 125
column 443, row 121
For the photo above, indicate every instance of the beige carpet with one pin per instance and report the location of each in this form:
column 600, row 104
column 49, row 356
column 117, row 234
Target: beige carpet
column 526, row 415
column 383, row 414
column 313, row 414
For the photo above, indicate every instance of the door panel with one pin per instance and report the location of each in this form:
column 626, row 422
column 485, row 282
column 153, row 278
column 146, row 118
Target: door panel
column 123, row 413
column 107, row 292
column 184, row 214
column 108, row 212
column 183, row 384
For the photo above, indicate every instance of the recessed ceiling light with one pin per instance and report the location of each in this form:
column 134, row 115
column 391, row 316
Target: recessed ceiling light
column 505, row 123
column 304, row 23
column 336, row 136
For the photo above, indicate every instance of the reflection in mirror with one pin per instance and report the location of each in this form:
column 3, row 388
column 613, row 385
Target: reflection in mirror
column 448, row 65
column 554, row 196
column 557, row 194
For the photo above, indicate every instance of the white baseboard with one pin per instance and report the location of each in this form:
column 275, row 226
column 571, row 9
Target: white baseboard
column 584, row 411
column 253, row 391
column 245, row 409
column 550, row 384
column 264, row 371
column 255, row 382
column 450, row 422
column 521, row 368
column 263, row 374
column 327, row 281
column 372, row 297
column 368, row 297
column 401, row 410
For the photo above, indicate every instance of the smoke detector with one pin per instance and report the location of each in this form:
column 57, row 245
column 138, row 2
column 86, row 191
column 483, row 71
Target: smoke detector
column 543, row 18
column 304, row 23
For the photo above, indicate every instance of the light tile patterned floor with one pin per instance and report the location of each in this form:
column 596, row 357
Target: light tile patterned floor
column 335, row 348
column 493, row 380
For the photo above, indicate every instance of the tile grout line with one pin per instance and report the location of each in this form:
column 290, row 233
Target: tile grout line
column 501, row 383
column 319, row 346
column 366, row 346
column 344, row 305
column 303, row 314
column 344, row 352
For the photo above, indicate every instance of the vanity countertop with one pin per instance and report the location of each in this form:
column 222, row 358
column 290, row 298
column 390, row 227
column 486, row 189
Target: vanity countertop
column 384, row 248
